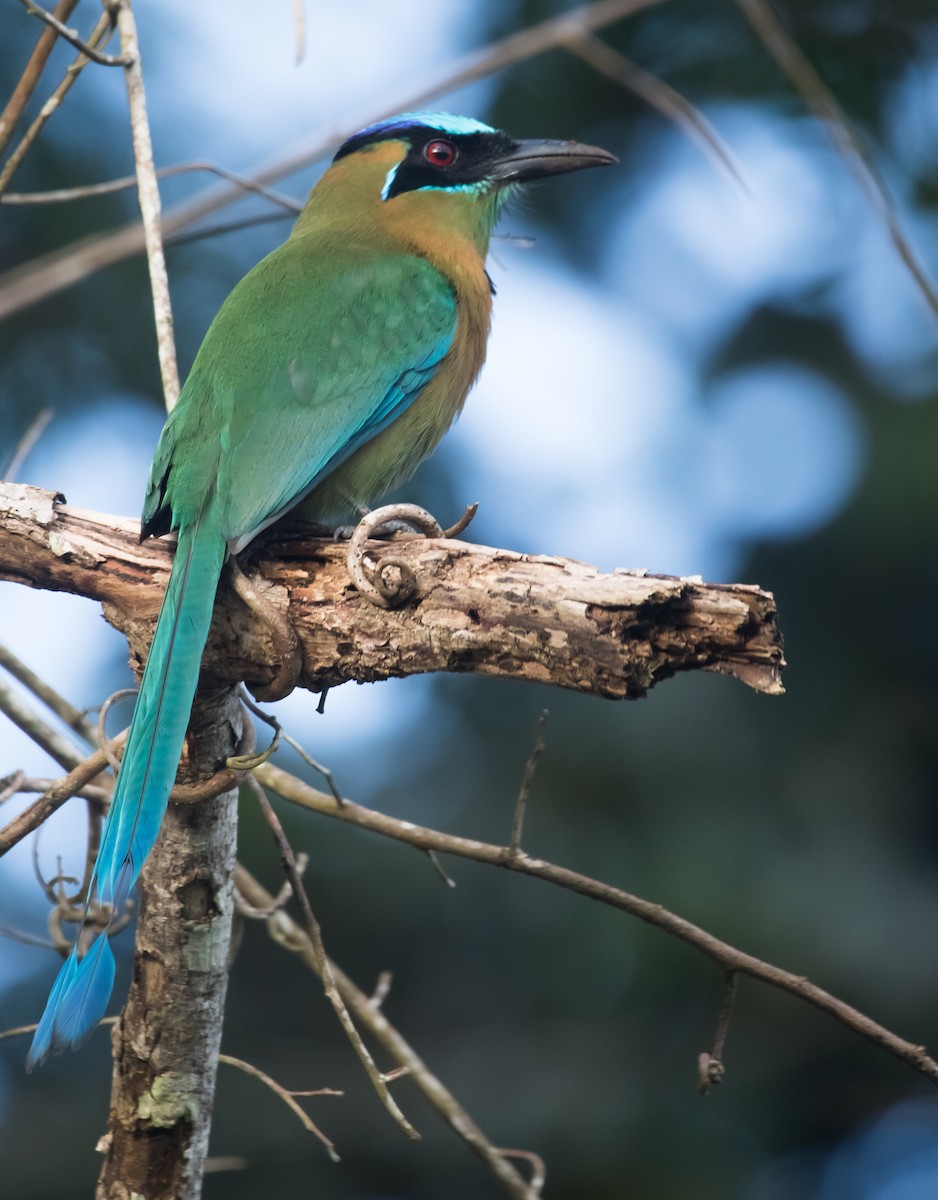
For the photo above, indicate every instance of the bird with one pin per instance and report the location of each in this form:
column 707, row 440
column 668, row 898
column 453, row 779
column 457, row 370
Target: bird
column 329, row 373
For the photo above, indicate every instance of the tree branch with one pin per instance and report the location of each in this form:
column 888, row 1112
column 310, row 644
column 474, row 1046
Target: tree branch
column 479, row 609
column 513, row 858
column 148, row 196
column 30, row 77
column 72, row 36
column 286, row 932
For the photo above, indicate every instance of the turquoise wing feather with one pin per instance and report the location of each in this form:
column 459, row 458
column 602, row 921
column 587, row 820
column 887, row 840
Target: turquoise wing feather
column 311, row 356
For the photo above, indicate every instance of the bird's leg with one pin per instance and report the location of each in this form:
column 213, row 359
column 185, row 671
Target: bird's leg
column 289, row 651
column 387, row 529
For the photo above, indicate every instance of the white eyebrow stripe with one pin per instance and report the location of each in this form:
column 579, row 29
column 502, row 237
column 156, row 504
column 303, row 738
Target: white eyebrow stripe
column 389, row 181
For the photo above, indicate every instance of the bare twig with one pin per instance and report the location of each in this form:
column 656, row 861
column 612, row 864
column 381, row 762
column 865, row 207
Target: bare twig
column 324, row 968
column 247, row 762
column 31, row 785
column 11, row 785
column 60, row 791
column 299, row 30
column 222, row 227
column 47, row 274
column 440, row 870
column 660, row 95
column 99, row 35
column 27, row 939
column 66, row 195
column 517, row 826
column 288, row 1098
column 149, row 195
column 37, row 428
column 280, row 734
column 710, row 1068
column 103, row 741
column 65, row 711
column 65, row 753
column 793, row 62
column 536, row 1163
column 726, row 956
column 287, row 933
column 72, row 36
column 30, row 77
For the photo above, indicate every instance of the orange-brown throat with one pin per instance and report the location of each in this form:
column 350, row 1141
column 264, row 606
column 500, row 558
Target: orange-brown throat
column 442, row 225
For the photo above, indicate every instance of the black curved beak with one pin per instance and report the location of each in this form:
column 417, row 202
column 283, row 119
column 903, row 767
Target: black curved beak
column 537, row 160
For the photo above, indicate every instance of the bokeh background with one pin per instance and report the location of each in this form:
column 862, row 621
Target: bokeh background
column 685, row 375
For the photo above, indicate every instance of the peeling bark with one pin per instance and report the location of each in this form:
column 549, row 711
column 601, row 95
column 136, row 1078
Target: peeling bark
column 476, row 608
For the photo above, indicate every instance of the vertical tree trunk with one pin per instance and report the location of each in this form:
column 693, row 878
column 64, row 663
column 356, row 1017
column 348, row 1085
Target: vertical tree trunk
column 166, row 1044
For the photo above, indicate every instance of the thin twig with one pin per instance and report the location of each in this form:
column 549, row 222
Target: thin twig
column 203, row 232
column 727, row 956
column 72, row 36
column 99, row 35
column 288, row 1098
column 149, row 196
column 299, row 30
column 31, row 785
column 517, row 825
column 325, row 971
column 65, row 753
column 317, row 766
column 101, row 737
column 247, row 762
column 440, row 870
column 281, row 734
column 60, row 791
column 66, row 195
column 48, row 274
column 37, row 428
column 710, row 1068
column 536, row 1163
column 814, row 91
column 30, row 77
column 11, row 785
column 660, row 95
column 285, row 931
column 27, row 939
column 66, row 712
column 23, row 1030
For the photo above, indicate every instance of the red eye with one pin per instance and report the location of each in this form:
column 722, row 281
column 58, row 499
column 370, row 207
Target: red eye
column 440, row 153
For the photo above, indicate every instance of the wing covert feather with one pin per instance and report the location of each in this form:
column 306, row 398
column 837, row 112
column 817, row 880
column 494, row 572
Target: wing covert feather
column 311, row 356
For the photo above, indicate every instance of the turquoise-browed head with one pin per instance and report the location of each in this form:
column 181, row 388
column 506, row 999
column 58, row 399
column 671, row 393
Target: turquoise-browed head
column 449, row 153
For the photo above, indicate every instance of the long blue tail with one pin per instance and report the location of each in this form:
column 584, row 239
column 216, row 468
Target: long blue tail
column 83, row 986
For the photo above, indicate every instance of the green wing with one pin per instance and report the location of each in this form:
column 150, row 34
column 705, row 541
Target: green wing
column 313, row 354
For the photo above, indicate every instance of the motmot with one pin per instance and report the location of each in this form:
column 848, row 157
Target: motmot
column 329, row 373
